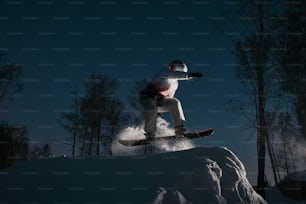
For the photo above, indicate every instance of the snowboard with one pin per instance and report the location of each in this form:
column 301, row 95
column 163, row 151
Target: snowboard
column 187, row 135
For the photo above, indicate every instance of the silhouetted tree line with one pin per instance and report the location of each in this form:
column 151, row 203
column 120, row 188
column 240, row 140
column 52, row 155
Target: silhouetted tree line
column 14, row 140
column 14, row 144
column 43, row 151
column 95, row 117
column 270, row 55
column 93, row 120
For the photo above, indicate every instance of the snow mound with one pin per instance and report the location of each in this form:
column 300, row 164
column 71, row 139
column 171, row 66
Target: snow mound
column 199, row 175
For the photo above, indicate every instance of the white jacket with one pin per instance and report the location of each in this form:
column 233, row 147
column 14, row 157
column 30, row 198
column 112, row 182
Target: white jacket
column 166, row 81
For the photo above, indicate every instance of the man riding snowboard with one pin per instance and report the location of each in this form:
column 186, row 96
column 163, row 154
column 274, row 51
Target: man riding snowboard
column 160, row 91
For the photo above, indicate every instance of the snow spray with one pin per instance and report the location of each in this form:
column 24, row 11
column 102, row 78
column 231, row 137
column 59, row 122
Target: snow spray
column 137, row 132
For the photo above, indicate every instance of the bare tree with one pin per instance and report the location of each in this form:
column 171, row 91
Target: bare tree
column 286, row 152
column 71, row 119
column 292, row 59
column 13, row 139
column 116, row 119
column 99, row 92
column 95, row 117
column 46, row 150
column 10, row 79
column 14, row 144
column 36, row 152
column 253, row 52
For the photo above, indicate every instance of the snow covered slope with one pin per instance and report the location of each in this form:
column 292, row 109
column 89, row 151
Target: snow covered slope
column 199, row 175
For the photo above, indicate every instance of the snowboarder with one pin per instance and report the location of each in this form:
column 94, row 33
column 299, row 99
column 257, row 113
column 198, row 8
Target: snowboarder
column 160, row 91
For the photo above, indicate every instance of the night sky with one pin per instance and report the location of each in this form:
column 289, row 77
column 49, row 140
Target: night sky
column 60, row 42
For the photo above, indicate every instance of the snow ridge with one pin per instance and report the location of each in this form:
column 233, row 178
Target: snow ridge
column 198, row 175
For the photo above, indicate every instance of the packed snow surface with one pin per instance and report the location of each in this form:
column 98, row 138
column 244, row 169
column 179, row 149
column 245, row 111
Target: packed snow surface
column 198, row 175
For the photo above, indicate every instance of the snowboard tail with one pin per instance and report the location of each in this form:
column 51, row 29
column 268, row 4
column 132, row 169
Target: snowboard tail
column 188, row 135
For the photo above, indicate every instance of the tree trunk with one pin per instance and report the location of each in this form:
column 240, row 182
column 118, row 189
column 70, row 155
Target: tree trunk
column 261, row 149
column 92, row 141
column 261, row 129
column 273, row 161
column 73, row 143
column 98, row 140
column 83, row 141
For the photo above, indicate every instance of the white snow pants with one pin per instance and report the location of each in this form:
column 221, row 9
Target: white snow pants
column 172, row 105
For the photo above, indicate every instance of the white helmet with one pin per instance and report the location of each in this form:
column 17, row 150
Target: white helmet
column 178, row 66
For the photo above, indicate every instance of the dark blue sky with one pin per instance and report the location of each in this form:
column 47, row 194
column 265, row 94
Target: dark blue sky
column 60, row 42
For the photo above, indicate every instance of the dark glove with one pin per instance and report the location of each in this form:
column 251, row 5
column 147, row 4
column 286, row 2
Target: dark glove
column 195, row 74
